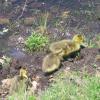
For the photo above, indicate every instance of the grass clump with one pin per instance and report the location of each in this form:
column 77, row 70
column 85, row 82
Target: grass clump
column 95, row 42
column 36, row 41
column 21, row 93
column 70, row 90
column 22, row 96
column 40, row 23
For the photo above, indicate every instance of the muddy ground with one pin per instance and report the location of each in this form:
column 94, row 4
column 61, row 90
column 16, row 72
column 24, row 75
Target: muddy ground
column 88, row 60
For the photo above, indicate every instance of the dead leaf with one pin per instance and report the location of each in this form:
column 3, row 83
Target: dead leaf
column 51, row 78
column 20, row 40
column 10, row 83
column 34, row 87
column 65, row 14
column 2, row 61
column 36, row 78
column 6, row 83
column 67, row 71
column 97, row 73
column 97, row 58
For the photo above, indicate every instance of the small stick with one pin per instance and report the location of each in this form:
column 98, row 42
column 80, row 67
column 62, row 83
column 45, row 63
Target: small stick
column 23, row 10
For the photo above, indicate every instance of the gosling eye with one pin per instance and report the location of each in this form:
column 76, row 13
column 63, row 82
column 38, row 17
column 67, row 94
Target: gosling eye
column 79, row 36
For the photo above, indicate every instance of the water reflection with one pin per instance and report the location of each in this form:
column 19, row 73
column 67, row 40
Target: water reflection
column 18, row 54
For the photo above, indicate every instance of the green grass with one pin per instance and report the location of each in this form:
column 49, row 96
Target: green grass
column 66, row 87
column 36, row 42
column 70, row 90
column 40, row 23
column 22, row 95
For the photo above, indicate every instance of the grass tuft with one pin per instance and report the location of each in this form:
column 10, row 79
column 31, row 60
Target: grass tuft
column 36, row 42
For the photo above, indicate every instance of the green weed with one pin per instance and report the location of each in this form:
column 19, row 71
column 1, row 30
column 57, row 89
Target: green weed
column 36, row 41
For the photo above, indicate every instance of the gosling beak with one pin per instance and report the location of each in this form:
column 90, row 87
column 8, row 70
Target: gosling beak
column 84, row 44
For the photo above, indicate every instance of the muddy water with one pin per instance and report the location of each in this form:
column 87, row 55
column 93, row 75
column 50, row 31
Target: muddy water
column 18, row 54
column 3, row 45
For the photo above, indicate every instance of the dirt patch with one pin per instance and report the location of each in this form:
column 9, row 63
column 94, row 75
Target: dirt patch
column 34, row 62
column 87, row 61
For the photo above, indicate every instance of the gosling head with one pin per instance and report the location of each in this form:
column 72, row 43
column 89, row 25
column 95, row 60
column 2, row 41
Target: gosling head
column 80, row 39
